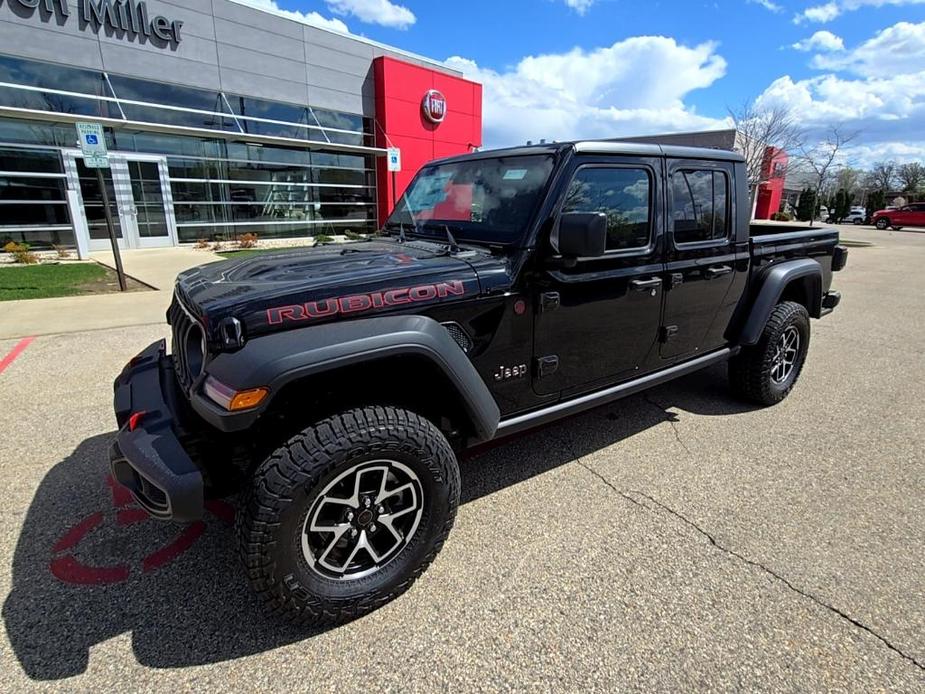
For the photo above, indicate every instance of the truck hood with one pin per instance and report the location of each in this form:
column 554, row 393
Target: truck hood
column 297, row 288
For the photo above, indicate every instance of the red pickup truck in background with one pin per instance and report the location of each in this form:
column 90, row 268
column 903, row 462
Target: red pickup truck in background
column 907, row 216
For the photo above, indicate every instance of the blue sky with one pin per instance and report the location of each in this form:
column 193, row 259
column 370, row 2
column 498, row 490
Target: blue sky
column 591, row 68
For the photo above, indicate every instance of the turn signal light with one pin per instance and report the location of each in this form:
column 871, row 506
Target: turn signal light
column 231, row 399
column 247, row 399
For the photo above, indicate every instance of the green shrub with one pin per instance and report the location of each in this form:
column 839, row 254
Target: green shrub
column 323, row 238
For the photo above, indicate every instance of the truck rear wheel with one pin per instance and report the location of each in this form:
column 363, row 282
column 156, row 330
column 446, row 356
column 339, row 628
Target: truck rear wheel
column 766, row 373
column 346, row 515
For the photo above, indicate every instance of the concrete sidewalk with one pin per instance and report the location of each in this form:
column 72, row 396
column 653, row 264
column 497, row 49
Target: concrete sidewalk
column 157, row 268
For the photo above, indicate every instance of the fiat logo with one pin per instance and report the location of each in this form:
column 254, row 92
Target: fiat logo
column 434, row 106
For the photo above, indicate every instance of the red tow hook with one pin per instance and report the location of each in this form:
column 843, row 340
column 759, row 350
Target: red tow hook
column 135, row 419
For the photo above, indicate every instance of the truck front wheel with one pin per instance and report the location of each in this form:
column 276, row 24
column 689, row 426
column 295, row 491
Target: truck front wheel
column 347, row 514
column 766, row 372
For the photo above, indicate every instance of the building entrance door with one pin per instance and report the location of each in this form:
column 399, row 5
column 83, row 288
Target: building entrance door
column 139, row 196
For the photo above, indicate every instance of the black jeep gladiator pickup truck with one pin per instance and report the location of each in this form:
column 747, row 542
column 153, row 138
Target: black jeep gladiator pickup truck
column 335, row 386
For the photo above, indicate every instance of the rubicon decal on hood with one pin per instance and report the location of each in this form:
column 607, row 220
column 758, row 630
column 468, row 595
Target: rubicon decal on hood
column 327, row 308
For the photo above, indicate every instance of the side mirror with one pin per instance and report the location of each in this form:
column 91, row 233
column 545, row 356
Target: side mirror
column 580, row 235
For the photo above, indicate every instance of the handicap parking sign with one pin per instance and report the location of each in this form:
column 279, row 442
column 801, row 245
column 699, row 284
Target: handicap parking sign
column 394, row 159
column 93, row 145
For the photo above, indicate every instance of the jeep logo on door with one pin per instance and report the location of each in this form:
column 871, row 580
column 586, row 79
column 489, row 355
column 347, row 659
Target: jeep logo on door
column 434, row 106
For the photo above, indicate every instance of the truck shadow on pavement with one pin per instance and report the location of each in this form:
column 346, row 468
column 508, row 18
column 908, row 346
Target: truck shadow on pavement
column 90, row 566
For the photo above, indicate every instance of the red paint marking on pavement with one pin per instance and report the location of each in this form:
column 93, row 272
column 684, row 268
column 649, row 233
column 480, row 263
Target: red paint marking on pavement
column 129, row 516
column 120, row 495
column 78, row 532
column 15, row 352
column 183, row 542
column 70, row 570
column 221, row 510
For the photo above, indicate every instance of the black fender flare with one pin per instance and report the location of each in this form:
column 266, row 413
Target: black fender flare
column 774, row 282
column 277, row 359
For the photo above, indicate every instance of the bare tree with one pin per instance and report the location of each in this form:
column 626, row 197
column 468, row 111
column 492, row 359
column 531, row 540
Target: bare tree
column 911, row 176
column 849, row 179
column 822, row 160
column 758, row 128
column 883, row 175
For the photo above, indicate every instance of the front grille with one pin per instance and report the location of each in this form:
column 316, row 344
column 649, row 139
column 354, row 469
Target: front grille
column 187, row 345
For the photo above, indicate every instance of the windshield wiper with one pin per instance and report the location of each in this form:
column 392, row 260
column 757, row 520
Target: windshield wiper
column 452, row 245
column 401, row 230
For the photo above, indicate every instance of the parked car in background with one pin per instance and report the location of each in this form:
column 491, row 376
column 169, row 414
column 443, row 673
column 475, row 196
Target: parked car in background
column 858, row 215
column 906, row 216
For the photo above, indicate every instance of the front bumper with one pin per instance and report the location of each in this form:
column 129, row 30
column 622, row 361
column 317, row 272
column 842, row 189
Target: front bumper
column 147, row 456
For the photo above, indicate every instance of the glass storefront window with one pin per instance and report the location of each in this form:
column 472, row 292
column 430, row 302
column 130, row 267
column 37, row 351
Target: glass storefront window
column 145, row 101
column 32, row 214
column 33, row 73
column 187, row 119
column 34, row 161
column 169, row 94
column 272, row 190
column 20, row 188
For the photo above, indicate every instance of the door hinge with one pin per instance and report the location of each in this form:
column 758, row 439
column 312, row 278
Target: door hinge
column 549, row 301
column 675, row 279
column 667, row 332
column 547, row 366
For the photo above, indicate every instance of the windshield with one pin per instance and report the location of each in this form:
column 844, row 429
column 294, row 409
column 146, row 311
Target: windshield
column 488, row 200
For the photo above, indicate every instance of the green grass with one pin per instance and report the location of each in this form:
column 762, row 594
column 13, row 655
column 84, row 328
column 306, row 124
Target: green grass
column 44, row 281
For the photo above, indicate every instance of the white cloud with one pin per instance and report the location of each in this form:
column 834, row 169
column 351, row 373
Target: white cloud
column 897, row 50
column 312, row 18
column 831, row 10
column 821, row 41
column 381, row 12
column 819, row 13
column 634, row 87
column 877, row 89
column 580, row 6
column 768, row 5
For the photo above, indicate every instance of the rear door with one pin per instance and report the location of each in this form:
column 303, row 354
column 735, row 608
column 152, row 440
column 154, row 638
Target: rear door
column 597, row 321
column 917, row 215
column 703, row 259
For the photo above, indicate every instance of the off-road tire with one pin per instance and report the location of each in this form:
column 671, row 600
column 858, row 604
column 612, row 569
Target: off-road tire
column 750, row 372
column 883, row 224
column 276, row 504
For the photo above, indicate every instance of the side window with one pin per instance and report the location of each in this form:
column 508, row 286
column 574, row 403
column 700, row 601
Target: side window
column 623, row 195
column 699, row 204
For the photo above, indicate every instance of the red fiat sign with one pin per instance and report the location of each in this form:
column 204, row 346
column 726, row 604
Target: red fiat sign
column 434, row 106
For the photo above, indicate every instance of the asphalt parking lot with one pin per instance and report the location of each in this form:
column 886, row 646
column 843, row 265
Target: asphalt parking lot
column 675, row 540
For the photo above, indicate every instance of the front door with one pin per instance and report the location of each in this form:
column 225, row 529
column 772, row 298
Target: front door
column 139, row 197
column 597, row 321
column 703, row 260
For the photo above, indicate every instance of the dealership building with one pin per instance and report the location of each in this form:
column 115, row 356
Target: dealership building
column 220, row 119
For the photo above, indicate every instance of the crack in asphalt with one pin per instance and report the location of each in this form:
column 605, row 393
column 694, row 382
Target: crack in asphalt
column 672, row 422
column 751, row 562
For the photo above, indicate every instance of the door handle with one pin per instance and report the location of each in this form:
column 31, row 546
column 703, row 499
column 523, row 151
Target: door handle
column 645, row 285
column 718, row 271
